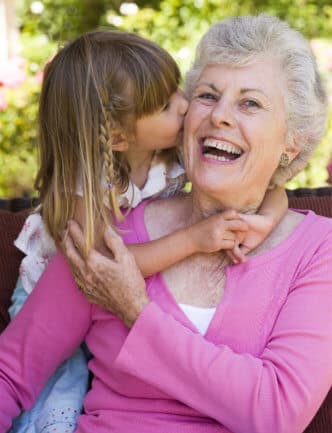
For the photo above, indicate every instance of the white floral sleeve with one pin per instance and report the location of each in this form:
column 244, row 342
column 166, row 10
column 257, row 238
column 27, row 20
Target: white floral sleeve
column 38, row 246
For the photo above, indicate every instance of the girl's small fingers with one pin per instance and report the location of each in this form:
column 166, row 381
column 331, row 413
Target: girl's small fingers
column 227, row 244
column 244, row 250
column 237, row 225
column 229, row 235
column 232, row 256
column 238, row 254
column 229, row 214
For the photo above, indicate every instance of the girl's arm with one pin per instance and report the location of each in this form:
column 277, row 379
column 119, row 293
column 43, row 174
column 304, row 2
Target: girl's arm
column 212, row 234
column 275, row 204
column 217, row 232
column 261, row 224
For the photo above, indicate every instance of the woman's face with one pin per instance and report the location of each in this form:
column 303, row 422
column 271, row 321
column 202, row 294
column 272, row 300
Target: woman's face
column 235, row 128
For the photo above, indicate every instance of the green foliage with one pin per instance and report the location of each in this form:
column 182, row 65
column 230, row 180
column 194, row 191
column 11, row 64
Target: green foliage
column 316, row 174
column 18, row 140
column 176, row 24
column 61, row 19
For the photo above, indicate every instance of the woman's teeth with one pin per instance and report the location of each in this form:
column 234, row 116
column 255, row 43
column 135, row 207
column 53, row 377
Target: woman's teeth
column 220, row 150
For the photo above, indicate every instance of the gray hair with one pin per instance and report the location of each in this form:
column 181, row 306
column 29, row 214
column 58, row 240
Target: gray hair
column 242, row 40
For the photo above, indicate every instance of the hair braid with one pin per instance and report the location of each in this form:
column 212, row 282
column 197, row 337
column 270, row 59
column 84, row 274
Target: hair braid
column 111, row 175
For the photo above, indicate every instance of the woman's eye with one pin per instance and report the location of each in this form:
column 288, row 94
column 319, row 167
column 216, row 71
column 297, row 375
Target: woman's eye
column 251, row 104
column 207, row 96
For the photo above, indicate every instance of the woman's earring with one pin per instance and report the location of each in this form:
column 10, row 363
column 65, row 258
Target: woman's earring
column 284, row 160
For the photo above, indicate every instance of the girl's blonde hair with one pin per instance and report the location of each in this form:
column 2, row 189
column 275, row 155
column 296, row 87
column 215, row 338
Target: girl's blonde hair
column 100, row 83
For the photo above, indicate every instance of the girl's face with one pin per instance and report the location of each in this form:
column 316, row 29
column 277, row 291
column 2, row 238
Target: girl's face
column 161, row 130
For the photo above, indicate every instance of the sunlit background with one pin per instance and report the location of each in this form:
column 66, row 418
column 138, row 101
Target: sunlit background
column 32, row 31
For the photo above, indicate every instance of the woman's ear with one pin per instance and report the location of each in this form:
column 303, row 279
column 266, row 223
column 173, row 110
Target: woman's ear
column 119, row 140
column 294, row 145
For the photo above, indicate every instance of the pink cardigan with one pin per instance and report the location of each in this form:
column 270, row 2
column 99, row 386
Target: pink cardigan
column 264, row 364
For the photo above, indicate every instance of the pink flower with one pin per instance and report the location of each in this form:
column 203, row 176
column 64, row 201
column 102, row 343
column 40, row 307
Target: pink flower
column 3, row 100
column 39, row 77
column 329, row 170
column 12, row 72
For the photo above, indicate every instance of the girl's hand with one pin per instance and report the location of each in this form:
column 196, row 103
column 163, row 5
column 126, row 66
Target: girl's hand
column 259, row 227
column 115, row 284
column 217, row 232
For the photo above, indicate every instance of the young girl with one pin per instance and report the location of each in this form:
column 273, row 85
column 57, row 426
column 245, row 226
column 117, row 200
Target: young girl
column 111, row 116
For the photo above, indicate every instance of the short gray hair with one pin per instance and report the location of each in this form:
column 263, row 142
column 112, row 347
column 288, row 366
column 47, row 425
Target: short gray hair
column 242, row 40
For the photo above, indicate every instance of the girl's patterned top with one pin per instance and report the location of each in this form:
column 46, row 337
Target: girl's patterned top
column 38, row 246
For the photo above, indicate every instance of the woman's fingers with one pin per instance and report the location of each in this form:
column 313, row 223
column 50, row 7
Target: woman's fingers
column 114, row 243
column 76, row 234
column 74, row 257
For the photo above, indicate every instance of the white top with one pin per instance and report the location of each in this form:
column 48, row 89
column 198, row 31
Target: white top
column 160, row 182
column 38, row 246
column 200, row 317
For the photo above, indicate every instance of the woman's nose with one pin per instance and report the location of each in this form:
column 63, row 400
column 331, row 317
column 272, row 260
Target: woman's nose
column 183, row 102
column 222, row 114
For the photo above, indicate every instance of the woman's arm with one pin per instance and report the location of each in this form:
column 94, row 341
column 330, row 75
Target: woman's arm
column 52, row 323
column 278, row 391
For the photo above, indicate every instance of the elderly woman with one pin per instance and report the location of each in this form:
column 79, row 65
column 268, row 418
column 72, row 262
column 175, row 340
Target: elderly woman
column 214, row 347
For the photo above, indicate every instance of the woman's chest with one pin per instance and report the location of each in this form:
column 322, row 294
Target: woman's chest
column 247, row 303
column 197, row 281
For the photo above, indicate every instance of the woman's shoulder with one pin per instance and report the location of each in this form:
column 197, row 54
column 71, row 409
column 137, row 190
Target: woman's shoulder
column 164, row 216
column 151, row 219
column 311, row 236
column 300, row 232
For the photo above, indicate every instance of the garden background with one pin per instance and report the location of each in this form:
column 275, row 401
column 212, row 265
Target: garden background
column 36, row 29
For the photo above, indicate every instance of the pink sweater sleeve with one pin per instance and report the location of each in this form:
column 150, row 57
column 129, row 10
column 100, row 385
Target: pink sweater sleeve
column 278, row 392
column 52, row 323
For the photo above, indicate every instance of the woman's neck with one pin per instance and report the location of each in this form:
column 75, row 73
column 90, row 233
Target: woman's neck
column 200, row 206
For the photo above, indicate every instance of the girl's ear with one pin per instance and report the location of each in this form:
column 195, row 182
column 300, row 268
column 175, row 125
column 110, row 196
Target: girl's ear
column 119, row 140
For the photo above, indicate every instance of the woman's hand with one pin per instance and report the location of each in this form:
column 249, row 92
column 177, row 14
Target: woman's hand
column 115, row 284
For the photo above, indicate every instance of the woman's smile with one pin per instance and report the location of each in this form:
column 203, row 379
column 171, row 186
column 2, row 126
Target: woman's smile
column 235, row 129
column 219, row 150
